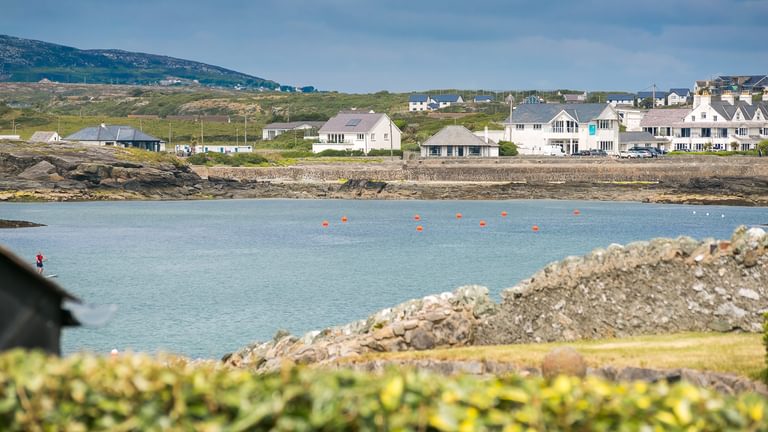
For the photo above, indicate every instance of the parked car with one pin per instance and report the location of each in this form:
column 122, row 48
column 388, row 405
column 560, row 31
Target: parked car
column 598, row 153
column 645, row 151
column 582, row 153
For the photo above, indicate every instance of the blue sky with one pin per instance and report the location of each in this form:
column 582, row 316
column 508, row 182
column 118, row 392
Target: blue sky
column 401, row 45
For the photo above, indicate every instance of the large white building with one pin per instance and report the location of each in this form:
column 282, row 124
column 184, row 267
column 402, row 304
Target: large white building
column 572, row 127
column 714, row 123
column 358, row 131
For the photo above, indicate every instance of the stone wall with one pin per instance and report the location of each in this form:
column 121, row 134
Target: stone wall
column 661, row 286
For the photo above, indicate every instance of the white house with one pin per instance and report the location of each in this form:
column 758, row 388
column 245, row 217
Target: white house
column 572, row 127
column 661, row 124
column 308, row 129
column 458, row 141
column 419, row 102
column 447, row 100
column 659, row 98
column 575, row 98
column 45, row 137
column 119, row 136
column 678, row 96
column 630, row 118
column 620, row 99
column 358, row 131
column 483, row 99
column 212, row 148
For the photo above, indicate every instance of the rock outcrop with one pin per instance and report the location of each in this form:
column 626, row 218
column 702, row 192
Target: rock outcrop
column 660, row 286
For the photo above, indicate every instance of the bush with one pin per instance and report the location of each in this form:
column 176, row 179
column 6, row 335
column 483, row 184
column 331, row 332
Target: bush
column 383, row 152
column 136, row 392
column 507, row 148
column 231, row 159
column 340, row 153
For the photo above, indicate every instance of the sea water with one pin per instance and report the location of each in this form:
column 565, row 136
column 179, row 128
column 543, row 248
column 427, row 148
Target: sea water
column 203, row 278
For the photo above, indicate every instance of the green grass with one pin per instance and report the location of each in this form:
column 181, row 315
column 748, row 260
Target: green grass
column 738, row 353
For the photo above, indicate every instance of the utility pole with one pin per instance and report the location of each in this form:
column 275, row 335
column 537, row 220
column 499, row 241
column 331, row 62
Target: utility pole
column 245, row 131
column 653, row 93
column 169, row 134
column 202, row 138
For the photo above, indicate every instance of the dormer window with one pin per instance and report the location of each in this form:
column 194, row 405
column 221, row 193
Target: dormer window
column 703, row 116
column 714, row 118
column 693, row 118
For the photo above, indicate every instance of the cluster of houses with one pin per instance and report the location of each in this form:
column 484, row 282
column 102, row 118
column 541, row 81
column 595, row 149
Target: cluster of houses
column 675, row 96
column 726, row 113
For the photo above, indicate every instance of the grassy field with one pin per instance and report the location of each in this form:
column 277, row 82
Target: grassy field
column 739, row 353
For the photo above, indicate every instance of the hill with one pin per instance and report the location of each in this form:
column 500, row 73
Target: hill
column 26, row 60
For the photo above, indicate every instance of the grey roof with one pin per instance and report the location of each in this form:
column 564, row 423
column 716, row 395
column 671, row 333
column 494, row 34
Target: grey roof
column 728, row 111
column 680, row 91
column 543, row 113
column 744, row 81
column 418, row 98
column 446, row 98
column 573, row 97
column 294, row 125
column 42, row 136
column 110, row 133
column 348, row 122
column 457, row 136
column 663, row 117
column 637, row 137
column 647, row 94
column 620, row 97
column 480, row 98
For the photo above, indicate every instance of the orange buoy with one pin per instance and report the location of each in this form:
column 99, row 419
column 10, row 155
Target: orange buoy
column 325, row 224
column 458, row 215
column 576, row 212
column 344, row 219
column 482, row 223
column 416, row 217
column 503, row 214
column 535, row 228
column 419, row 228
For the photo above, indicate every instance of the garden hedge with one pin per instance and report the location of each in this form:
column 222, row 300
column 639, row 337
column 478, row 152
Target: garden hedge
column 136, row 392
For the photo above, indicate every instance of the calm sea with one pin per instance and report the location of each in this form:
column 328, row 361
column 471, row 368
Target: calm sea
column 203, row 278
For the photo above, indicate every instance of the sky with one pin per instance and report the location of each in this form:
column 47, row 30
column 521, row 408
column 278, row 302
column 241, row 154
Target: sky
column 362, row 46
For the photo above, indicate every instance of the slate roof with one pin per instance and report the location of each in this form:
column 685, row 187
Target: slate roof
column 433, row 106
column 294, row 125
column 110, row 133
column 620, row 97
column 453, row 98
column 483, row 98
column 682, row 92
column 543, row 113
column 42, row 136
column 744, row 81
column 637, row 137
column 647, row 94
column 457, row 136
column 728, row 111
column 664, row 117
column 418, row 98
column 352, row 122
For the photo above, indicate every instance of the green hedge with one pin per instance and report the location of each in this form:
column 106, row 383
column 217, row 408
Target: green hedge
column 384, row 152
column 230, row 159
column 136, row 392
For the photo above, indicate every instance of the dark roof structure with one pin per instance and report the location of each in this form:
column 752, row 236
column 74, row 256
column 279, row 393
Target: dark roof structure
column 620, row 97
column 483, row 98
column 638, row 137
column 418, row 98
column 544, row 113
column 352, row 122
column 682, row 92
column 446, row 98
column 294, row 125
column 111, row 133
column 647, row 94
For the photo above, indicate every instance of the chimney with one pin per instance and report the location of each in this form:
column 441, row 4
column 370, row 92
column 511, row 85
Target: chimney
column 705, row 98
column 486, row 134
column 746, row 97
column 728, row 97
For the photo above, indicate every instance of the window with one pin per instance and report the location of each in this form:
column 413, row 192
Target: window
column 386, row 137
column 703, row 116
column 680, row 146
column 537, row 126
column 685, row 132
column 604, row 124
column 698, row 146
column 714, row 118
column 738, row 116
column 335, row 138
column 450, row 150
column 742, row 131
column 474, row 150
column 571, row 126
column 434, row 150
column 519, row 126
column 373, row 137
column 693, row 118
column 706, row 132
column 558, row 127
column 724, row 133
column 605, row 145
column 745, row 147
column 360, row 137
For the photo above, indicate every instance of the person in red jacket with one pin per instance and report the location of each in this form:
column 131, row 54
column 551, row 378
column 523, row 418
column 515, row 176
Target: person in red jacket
column 39, row 258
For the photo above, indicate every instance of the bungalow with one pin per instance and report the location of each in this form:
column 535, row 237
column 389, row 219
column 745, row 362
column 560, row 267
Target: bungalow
column 678, row 96
column 358, row 131
column 572, row 127
column 419, row 102
column 628, row 140
column 45, row 137
column 447, row 100
column 620, row 99
column 575, row 98
column 483, row 99
column 187, row 149
column 659, row 97
column 308, row 129
column 458, row 141
column 120, row 136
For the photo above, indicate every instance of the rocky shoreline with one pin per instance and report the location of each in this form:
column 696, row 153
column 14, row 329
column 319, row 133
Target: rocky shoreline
column 5, row 223
column 71, row 172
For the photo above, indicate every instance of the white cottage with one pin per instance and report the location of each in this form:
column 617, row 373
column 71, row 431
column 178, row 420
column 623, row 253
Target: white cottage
column 572, row 127
column 358, row 131
column 458, row 141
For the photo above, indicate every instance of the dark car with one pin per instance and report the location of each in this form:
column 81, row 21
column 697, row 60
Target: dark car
column 598, row 153
column 582, row 153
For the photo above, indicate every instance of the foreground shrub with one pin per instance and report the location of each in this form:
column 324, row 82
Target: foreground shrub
column 340, row 153
column 136, row 392
column 384, row 152
column 507, row 148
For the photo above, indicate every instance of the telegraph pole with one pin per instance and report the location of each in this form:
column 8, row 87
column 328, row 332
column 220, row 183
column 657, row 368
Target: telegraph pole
column 245, row 131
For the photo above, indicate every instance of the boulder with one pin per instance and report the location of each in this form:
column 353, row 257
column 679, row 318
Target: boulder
column 40, row 171
column 563, row 361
